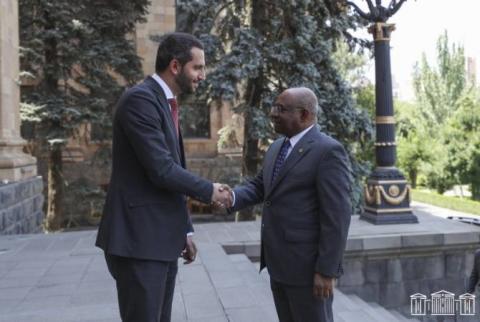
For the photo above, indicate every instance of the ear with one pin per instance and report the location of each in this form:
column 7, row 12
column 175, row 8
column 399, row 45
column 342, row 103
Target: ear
column 174, row 67
column 304, row 115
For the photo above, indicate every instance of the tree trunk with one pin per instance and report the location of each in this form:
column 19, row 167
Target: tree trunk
column 475, row 187
column 413, row 178
column 253, row 97
column 250, row 158
column 55, row 189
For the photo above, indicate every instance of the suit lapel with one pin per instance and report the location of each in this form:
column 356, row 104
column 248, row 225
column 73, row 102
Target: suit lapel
column 300, row 150
column 162, row 99
column 270, row 163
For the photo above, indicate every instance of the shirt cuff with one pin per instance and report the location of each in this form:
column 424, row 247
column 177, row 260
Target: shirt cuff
column 233, row 197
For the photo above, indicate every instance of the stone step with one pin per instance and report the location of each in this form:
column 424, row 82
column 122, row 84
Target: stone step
column 347, row 308
column 384, row 313
column 402, row 317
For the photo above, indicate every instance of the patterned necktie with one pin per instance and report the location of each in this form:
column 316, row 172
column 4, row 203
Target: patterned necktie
column 174, row 111
column 282, row 155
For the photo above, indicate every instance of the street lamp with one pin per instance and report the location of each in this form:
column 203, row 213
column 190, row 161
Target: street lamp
column 387, row 193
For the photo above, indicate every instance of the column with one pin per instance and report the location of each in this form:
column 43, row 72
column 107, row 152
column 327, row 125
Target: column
column 15, row 165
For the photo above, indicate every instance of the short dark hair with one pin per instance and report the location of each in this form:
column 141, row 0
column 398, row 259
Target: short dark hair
column 175, row 45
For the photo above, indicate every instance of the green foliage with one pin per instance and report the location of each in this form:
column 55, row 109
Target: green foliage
column 462, row 142
column 76, row 54
column 438, row 89
column 454, row 203
column 414, row 144
column 257, row 49
column 440, row 137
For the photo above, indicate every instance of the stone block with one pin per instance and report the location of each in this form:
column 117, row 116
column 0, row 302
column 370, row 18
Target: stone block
column 7, row 195
column 353, row 270
column 3, row 221
column 454, row 265
column 27, row 207
column 354, row 244
column 22, row 209
column 415, row 240
column 423, row 268
column 394, row 270
column 382, row 242
column 376, row 271
column 252, row 250
column 461, row 238
column 391, row 293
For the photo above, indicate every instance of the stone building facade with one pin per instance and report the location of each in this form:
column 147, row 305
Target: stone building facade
column 21, row 196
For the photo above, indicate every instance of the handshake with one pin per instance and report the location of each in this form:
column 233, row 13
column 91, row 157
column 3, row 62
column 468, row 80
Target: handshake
column 222, row 196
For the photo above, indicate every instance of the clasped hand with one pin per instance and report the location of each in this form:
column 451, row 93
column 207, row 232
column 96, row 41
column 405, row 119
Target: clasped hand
column 222, row 196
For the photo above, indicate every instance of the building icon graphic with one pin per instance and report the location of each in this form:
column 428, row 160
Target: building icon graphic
column 467, row 304
column 418, row 304
column 442, row 303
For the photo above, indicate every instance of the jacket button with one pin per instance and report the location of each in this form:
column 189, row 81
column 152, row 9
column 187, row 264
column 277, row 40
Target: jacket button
column 267, row 203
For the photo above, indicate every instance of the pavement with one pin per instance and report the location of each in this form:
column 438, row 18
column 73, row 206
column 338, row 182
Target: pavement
column 62, row 277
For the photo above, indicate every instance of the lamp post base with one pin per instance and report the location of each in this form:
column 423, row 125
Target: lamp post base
column 387, row 198
column 403, row 216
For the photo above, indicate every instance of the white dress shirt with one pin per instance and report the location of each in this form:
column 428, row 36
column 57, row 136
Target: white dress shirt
column 293, row 141
column 164, row 86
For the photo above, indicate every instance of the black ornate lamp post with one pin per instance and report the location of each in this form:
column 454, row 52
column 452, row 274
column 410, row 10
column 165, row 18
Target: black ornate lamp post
column 387, row 193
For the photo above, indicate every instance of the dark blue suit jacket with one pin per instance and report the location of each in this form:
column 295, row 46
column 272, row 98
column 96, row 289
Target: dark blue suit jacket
column 306, row 210
column 145, row 214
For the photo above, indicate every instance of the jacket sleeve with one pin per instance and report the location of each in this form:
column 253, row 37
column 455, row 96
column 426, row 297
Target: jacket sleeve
column 249, row 194
column 333, row 185
column 142, row 125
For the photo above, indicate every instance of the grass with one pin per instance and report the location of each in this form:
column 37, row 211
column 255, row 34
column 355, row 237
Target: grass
column 454, row 203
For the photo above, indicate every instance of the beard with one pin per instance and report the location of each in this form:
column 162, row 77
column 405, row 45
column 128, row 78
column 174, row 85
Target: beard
column 184, row 83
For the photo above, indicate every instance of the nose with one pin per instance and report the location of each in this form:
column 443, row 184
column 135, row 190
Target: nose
column 202, row 75
column 273, row 112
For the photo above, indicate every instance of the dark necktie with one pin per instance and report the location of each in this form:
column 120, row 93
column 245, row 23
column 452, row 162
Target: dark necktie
column 174, row 111
column 282, row 155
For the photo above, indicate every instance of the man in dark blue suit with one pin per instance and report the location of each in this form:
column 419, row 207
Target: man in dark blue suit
column 146, row 226
column 305, row 189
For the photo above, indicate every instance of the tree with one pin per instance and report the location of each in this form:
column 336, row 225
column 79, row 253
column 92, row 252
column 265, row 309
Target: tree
column 462, row 142
column 77, row 56
column 255, row 49
column 438, row 89
column 414, row 145
column 443, row 95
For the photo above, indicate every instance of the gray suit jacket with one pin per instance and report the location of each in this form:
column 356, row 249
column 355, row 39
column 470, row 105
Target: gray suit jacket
column 306, row 210
column 145, row 214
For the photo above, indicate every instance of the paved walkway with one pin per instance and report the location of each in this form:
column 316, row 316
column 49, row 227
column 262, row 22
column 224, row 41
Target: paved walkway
column 63, row 277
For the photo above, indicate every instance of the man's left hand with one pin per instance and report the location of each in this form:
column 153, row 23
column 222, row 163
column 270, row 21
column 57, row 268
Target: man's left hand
column 323, row 286
column 190, row 252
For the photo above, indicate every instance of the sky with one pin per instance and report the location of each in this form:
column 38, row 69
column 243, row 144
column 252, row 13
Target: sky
column 419, row 24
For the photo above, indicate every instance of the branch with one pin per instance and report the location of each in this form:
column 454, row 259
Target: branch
column 371, row 6
column 359, row 11
column 394, row 7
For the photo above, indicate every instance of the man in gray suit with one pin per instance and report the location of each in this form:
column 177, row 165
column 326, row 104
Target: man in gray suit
column 305, row 189
column 145, row 225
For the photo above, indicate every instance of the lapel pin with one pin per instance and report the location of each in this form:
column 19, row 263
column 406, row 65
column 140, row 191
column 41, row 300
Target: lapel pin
column 300, row 150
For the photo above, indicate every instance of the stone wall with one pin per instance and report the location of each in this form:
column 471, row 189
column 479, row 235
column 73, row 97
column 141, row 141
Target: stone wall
column 21, row 207
column 387, row 270
column 160, row 20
